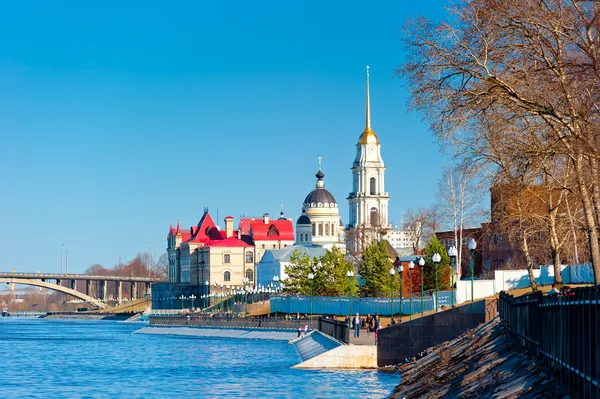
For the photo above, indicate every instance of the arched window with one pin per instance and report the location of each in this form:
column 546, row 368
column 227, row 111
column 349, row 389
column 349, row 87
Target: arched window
column 320, row 229
column 250, row 274
column 374, row 217
column 314, row 231
column 306, row 237
column 249, row 257
column 326, row 229
column 372, row 185
column 300, row 237
column 273, row 231
column 227, row 276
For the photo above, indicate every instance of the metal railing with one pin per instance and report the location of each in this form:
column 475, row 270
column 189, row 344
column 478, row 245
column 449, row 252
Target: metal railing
column 563, row 331
column 226, row 321
column 54, row 276
column 335, row 329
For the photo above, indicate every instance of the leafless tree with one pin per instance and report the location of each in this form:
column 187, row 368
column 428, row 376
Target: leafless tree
column 533, row 64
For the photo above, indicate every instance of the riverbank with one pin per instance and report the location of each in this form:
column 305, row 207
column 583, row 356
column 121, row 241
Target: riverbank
column 484, row 362
column 220, row 333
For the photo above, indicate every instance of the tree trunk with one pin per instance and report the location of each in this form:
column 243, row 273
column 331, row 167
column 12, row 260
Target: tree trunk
column 555, row 245
column 525, row 249
column 588, row 210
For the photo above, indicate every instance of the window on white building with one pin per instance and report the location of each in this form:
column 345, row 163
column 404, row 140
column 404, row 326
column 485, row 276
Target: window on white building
column 227, row 276
column 227, row 258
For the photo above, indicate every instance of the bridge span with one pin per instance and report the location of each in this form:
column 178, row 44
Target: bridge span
column 97, row 298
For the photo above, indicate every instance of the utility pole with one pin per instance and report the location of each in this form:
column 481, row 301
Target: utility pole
column 67, row 262
column 62, row 247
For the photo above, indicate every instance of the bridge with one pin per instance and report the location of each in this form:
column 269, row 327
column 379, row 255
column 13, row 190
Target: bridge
column 97, row 297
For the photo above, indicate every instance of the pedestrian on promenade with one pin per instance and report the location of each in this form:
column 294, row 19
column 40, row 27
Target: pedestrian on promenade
column 369, row 323
column 553, row 291
column 299, row 331
column 347, row 320
column 305, row 329
column 357, row 326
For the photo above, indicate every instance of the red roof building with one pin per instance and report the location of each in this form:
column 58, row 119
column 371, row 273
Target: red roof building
column 205, row 253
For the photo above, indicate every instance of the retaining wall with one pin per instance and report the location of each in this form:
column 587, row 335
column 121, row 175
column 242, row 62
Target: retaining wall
column 401, row 341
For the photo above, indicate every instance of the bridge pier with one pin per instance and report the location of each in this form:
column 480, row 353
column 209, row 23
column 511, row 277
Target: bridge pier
column 73, row 284
column 133, row 290
column 103, row 290
column 88, row 284
column 119, row 291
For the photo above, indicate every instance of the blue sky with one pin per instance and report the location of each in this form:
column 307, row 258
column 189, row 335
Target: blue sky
column 118, row 118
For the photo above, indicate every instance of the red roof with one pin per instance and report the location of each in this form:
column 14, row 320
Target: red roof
column 275, row 230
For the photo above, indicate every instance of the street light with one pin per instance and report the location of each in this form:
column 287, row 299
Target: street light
column 275, row 279
column 411, row 266
column 192, row 297
column 422, row 265
column 436, row 261
column 206, row 286
column 310, row 280
column 401, row 274
column 182, row 297
column 350, row 275
column 452, row 252
column 472, row 246
column 392, row 272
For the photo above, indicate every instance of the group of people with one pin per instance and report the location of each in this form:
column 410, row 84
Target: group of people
column 370, row 323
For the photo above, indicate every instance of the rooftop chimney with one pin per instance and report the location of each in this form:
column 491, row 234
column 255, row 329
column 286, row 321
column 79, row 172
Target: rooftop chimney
column 266, row 218
column 228, row 226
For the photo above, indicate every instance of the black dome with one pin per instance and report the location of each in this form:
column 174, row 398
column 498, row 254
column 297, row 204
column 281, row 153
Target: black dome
column 319, row 195
column 303, row 220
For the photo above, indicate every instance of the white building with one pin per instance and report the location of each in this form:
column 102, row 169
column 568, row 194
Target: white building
column 403, row 240
column 320, row 212
column 368, row 200
column 275, row 261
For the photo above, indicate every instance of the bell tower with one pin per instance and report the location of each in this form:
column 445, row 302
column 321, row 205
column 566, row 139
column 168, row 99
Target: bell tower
column 368, row 201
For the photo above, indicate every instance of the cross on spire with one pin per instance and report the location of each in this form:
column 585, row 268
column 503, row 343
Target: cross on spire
column 320, row 162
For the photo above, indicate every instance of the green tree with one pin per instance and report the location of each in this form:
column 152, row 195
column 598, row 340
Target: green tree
column 435, row 246
column 374, row 268
column 301, row 265
column 333, row 274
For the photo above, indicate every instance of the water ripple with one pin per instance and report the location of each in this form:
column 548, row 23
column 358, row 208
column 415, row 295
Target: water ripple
column 101, row 359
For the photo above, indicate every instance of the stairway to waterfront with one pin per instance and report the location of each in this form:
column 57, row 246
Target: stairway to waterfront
column 314, row 344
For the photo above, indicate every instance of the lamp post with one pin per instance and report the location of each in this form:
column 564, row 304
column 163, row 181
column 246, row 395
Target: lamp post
column 206, row 287
column 472, row 246
column 246, row 282
column 310, row 280
column 182, row 297
column 192, row 297
column 411, row 266
column 276, row 280
column 452, row 252
column 401, row 274
column 392, row 272
column 436, row 261
column 350, row 275
column 422, row 265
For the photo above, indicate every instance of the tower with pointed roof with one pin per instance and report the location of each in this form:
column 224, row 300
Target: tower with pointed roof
column 368, row 201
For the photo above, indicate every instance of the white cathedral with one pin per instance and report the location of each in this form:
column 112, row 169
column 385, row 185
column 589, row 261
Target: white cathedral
column 320, row 224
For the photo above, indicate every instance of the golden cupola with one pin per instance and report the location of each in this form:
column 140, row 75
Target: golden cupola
column 368, row 136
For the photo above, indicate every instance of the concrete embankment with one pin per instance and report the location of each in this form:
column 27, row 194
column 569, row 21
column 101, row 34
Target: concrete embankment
column 482, row 363
column 319, row 351
column 219, row 333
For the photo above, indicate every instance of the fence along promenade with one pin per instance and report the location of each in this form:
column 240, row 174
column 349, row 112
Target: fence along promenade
column 563, row 331
column 231, row 322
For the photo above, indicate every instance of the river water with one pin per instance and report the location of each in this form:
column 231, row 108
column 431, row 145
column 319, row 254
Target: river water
column 103, row 359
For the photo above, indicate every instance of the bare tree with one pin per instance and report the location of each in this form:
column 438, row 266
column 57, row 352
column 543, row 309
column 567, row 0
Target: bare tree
column 530, row 64
column 460, row 201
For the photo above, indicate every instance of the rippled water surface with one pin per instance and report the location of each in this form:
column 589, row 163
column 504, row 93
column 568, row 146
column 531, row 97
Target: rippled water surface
column 102, row 359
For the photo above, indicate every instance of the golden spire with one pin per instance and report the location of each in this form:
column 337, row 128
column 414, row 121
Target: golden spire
column 368, row 126
column 368, row 136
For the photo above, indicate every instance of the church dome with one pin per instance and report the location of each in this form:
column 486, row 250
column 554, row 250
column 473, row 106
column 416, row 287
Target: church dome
column 320, row 195
column 368, row 137
column 303, row 219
